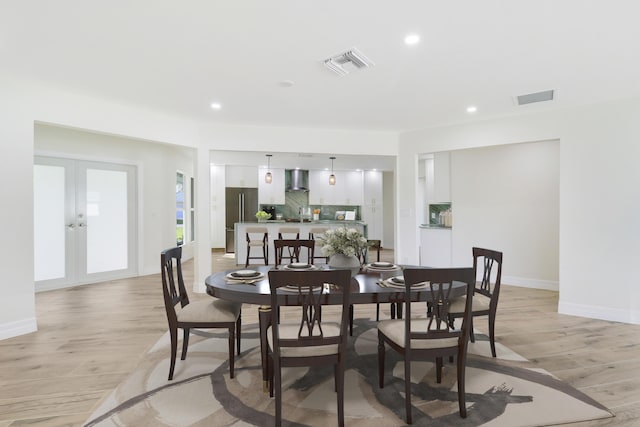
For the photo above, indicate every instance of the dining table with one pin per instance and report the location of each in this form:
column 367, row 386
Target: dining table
column 367, row 287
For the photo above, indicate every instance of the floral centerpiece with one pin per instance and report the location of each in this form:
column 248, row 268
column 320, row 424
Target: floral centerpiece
column 262, row 216
column 342, row 246
column 345, row 241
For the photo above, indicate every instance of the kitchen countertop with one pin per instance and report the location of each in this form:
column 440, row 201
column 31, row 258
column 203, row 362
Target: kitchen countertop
column 321, row 221
column 435, row 226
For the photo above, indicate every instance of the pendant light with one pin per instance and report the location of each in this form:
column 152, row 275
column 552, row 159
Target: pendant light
column 332, row 177
column 268, row 177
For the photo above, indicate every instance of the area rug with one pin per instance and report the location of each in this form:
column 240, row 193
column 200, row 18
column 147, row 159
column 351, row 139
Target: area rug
column 504, row 391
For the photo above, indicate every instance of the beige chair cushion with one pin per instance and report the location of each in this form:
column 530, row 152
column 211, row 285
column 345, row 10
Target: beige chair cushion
column 256, row 230
column 394, row 330
column 479, row 303
column 289, row 230
column 290, row 330
column 217, row 310
column 256, row 243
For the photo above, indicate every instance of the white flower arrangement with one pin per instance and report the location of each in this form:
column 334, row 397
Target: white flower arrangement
column 346, row 241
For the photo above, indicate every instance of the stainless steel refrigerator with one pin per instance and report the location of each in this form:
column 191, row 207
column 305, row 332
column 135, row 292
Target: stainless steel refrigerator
column 241, row 206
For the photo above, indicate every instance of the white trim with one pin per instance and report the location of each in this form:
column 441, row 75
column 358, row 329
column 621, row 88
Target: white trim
column 19, row 327
column 525, row 282
column 602, row 313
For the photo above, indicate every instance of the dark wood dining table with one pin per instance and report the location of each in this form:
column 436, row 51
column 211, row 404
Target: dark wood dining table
column 364, row 290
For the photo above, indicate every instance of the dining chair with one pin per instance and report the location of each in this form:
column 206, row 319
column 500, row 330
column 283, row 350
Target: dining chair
column 292, row 247
column 289, row 233
column 311, row 341
column 429, row 337
column 314, row 232
column 257, row 237
column 209, row 313
column 486, row 292
column 371, row 244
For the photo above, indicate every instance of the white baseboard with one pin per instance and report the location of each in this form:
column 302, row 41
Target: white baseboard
column 602, row 313
column 524, row 282
column 19, row 327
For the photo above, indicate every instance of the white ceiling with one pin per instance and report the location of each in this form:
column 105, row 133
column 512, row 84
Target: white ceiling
column 179, row 56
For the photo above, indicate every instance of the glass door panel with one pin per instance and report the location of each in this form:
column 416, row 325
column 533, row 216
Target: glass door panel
column 85, row 222
column 106, row 220
column 49, row 222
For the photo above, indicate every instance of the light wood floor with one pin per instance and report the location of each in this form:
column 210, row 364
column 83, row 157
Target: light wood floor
column 91, row 337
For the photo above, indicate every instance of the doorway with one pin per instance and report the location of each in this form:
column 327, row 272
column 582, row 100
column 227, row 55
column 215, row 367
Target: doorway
column 84, row 222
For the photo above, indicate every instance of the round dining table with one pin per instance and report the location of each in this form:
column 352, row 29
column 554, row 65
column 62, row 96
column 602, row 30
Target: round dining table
column 365, row 289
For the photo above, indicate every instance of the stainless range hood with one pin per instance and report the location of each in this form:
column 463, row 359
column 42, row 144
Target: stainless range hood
column 296, row 180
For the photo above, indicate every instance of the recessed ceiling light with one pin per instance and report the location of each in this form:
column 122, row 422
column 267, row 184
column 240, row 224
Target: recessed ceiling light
column 286, row 83
column 216, row 105
column 472, row 109
column 412, row 39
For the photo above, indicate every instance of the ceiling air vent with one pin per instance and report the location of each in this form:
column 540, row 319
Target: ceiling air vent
column 530, row 98
column 347, row 61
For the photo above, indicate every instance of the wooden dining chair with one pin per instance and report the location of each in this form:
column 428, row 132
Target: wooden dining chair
column 311, row 341
column 289, row 249
column 429, row 337
column 181, row 313
column 314, row 233
column 289, row 233
column 486, row 292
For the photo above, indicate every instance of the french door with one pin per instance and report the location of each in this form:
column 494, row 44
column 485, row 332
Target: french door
column 84, row 222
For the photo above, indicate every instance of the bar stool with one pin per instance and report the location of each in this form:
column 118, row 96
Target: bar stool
column 289, row 233
column 257, row 242
column 313, row 232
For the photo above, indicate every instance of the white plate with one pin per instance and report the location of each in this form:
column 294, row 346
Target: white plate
column 299, row 266
column 382, row 266
column 244, row 274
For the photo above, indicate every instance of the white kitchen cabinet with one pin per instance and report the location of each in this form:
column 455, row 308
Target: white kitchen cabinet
column 319, row 187
column 352, row 191
column 441, row 178
column 347, row 190
column 241, row 176
column 435, row 247
column 273, row 193
column 372, row 208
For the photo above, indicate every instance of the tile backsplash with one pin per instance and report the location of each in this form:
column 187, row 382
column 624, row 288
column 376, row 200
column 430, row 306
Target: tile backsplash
column 296, row 199
column 434, row 212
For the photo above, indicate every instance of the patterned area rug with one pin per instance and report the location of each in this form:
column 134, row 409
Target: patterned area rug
column 507, row 391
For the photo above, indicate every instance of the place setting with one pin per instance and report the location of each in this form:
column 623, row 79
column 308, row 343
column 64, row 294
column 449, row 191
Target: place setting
column 244, row 277
column 398, row 282
column 381, row 266
column 299, row 266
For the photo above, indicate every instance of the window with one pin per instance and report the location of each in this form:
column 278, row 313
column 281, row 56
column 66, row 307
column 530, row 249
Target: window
column 180, row 209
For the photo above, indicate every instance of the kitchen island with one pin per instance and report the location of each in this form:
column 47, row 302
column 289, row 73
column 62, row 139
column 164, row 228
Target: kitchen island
column 273, row 226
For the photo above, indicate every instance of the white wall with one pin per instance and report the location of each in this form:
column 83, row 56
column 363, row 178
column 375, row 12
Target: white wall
column 389, row 212
column 507, row 198
column 600, row 206
column 25, row 102
column 598, row 149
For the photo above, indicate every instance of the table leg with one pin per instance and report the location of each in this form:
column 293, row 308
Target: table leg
column 264, row 319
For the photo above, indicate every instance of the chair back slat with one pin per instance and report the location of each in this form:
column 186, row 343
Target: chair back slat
column 293, row 249
column 489, row 284
column 308, row 290
column 172, row 281
column 438, row 300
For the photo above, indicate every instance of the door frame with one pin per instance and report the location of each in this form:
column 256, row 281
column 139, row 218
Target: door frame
column 75, row 258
